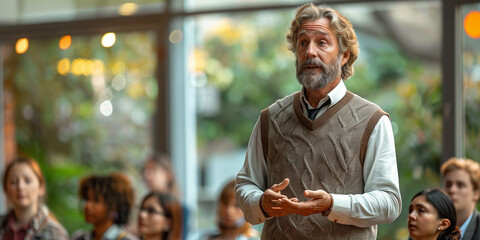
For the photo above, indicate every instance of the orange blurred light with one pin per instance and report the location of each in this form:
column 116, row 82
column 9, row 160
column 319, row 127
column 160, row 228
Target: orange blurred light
column 21, row 46
column 65, row 42
column 471, row 24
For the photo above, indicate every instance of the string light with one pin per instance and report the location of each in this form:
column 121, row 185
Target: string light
column 21, row 46
column 65, row 42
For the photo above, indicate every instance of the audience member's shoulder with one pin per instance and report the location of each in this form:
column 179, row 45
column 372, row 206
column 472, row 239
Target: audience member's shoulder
column 80, row 235
column 56, row 229
column 203, row 235
column 3, row 218
column 48, row 227
column 129, row 236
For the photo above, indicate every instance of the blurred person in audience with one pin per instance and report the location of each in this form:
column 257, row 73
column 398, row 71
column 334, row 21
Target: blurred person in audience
column 432, row 216
column 160, row 217
column 230, row 220
column 321, row 162
column 107, row 201
column 158, row 175
column 29, row 218
column 461, row 179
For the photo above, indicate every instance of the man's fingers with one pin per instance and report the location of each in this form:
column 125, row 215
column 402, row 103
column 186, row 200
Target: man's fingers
column 315, row 194
column 280, row 186
column 272, row 195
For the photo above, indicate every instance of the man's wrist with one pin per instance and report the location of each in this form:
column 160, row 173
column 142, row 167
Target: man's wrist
column 263, row 210
column 329, row 210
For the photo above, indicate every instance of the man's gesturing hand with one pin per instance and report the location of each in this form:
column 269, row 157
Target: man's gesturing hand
column 271, row 201
column 319, row 202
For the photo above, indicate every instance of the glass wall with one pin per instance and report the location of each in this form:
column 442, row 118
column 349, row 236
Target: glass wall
column 471, row 77
column 242, row 65
column 80, row 105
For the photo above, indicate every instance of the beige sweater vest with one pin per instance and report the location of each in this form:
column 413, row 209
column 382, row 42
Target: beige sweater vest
column 326, row 153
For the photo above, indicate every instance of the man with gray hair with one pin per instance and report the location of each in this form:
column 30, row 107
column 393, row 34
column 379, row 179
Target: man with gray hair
column 321, row 162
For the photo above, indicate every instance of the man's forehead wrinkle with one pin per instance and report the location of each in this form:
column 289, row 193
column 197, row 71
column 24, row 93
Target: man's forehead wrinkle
column 316, row 28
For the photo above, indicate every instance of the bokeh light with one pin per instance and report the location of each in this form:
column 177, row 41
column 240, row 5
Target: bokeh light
column 98, row 67
column 175, row 36
column 106, row 108
column 119, row 82
column 108, row 39
column 471, row 24
column 63, row 66
column 118, row 68
column 127, row 9
column 21, row 46
column 88, row 67
column 135, row 89
column 65, row 42
column 77, row 66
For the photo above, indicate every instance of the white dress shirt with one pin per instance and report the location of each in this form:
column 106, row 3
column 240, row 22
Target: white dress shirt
column 381, row 201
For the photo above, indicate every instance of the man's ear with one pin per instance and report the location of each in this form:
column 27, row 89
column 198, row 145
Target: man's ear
column 476, row 195
column 345, row 57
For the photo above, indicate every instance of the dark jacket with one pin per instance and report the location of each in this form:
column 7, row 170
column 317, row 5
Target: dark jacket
column 473, row 229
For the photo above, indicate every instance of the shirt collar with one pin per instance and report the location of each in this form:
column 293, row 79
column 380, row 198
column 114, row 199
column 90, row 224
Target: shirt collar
column 464, row 226
column 11, row 222
column 113, row 232
column 335, row 96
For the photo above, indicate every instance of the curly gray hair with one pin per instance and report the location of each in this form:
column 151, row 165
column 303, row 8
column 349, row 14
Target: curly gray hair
column 339, row 25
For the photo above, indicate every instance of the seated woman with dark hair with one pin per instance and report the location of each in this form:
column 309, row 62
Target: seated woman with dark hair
column 432, row 216
column 107, row 204
column 160, row 217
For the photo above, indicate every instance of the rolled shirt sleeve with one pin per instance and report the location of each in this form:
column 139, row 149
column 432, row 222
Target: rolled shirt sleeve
column 251, row 181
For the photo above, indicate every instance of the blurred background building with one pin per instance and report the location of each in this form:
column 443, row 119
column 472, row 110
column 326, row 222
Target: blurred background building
column 91, row 86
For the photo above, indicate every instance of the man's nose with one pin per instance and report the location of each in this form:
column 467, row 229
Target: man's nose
column 451, row 189
column 311, row 50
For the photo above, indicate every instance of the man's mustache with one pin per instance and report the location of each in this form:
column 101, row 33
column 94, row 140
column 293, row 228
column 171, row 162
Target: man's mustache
column 312, row 61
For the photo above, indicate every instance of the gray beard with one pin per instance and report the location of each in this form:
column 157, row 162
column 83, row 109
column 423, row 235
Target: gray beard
column 308, row 79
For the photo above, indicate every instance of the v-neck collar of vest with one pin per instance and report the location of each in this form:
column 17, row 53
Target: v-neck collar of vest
column 314, row 124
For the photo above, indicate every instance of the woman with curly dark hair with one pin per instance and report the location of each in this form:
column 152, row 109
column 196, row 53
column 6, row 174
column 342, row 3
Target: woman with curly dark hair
column 432, row 216
column 107, row 204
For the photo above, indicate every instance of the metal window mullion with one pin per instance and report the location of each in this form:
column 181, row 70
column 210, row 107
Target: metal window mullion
column 452, row 84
